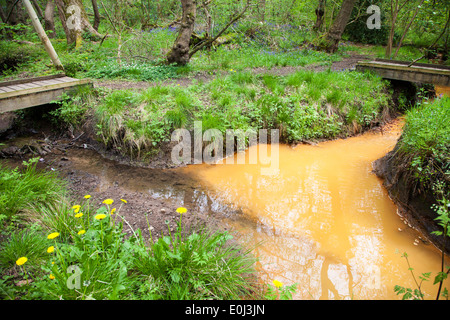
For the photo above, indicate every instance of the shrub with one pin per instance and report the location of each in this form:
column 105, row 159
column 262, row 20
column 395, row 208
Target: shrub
column 14, row 55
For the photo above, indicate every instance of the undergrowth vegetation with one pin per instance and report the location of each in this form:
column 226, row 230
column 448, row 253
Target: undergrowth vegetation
column 424, row 149
column 426, row 144
column 304, row 105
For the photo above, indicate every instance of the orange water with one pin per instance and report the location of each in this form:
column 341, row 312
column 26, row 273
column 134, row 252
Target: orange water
column 324, row 221
column 442, row 90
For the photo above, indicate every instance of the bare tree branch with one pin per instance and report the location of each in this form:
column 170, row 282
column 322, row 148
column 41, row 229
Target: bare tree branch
column 210, row 41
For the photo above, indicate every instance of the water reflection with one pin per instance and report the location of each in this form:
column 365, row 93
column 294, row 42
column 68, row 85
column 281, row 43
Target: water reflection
column 325, row 221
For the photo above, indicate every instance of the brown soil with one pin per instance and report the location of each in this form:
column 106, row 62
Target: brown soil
column 88, row 173
column 413, row 206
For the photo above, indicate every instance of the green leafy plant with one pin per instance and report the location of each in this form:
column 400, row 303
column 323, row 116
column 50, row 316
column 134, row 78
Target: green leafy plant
column 200, row 265
column 278, row 291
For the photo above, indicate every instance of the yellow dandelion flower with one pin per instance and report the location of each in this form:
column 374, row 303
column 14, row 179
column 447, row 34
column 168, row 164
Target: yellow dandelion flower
column 21, row 261
column 124, row 201
column 108, row 201
column 81, row 232
column 79, row 215
column 113, row 210
column 181, row 210
column 277, row 283
column 50, row 249
column 76, row 210
column 87, row 196
column 53, row 235
column 52, row 277
column 100, row 216
column 77, row 206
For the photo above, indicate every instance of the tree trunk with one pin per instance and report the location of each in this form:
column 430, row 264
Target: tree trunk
column 38, row 9
column 262, row 13
column 96, row 15
column 42, row 35
column 339, row 24
column 2, row 15
column 180, row 50
column 74, row 20
column 407, row 28
column 394, row 12
column 320, row 13
column 49, row 20
column 14, row 13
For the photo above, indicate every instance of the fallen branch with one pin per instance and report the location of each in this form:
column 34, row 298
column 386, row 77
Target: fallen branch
column 210, row 41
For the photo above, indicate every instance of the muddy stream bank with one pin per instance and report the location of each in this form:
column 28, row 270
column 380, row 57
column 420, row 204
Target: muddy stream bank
column 323, row 221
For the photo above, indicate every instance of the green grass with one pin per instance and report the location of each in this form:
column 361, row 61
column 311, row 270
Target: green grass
column 213, row 268
column 23, row 243
column 143, row 55
column 304, row 105
column 251, row 56
column 406, row 53
column 425, row 144
column 22, row 190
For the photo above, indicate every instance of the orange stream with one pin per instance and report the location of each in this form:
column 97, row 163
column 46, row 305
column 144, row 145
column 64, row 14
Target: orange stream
column 324, row 221
column 442, row 90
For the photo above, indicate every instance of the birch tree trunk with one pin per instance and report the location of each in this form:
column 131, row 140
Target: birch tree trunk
column 42, row 35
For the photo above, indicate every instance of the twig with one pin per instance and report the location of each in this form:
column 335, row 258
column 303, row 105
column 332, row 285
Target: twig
column 10, row 12
column 435, row 41
column 208, row 42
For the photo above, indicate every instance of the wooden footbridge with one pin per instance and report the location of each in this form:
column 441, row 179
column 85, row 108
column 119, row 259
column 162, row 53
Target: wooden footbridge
column 405, row 71
column 25, row 93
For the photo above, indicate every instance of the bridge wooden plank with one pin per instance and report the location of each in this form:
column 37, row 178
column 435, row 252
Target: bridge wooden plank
column 65, row 79
column 413, row 68
column 42, row 87
column 17, row 87
column 417, row 64
column 25, row 95
column 7, row 89
column 28, row 80
column 423, row 73
column 28, row 85
column 30, row 100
